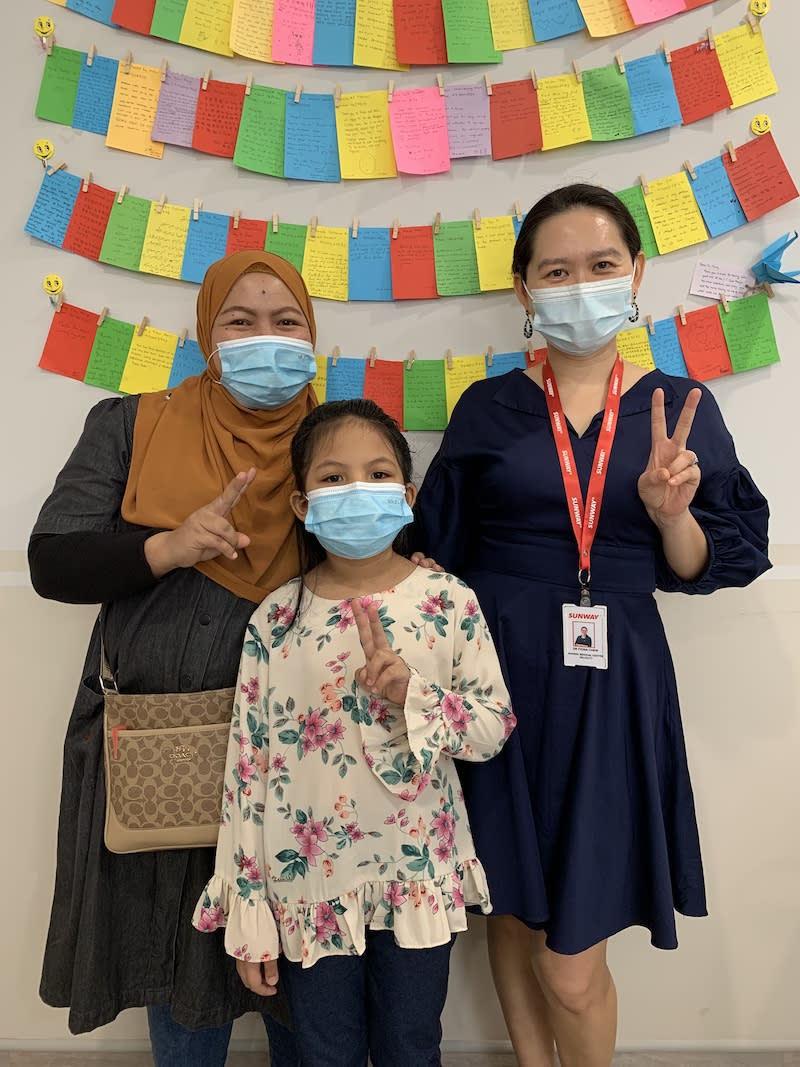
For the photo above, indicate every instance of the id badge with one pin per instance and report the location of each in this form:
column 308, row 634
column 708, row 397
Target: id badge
column 585, row 636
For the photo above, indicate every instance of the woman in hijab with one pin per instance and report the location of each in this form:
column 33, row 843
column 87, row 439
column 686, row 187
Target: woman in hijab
column 173, row 513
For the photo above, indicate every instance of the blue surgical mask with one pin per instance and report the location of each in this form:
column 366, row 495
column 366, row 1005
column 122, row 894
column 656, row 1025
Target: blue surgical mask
column 357, row 520
column 580, row 319
column 266, row 372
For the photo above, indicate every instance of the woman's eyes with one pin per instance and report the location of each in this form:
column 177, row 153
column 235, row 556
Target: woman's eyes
column 378, row 476
column 557, row 273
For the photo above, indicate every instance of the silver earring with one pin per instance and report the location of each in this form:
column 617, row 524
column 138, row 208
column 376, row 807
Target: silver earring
column 634, row 316
column 527, row 329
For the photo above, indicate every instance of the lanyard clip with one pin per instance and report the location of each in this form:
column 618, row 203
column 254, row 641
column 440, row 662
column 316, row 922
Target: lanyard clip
column 584, row 577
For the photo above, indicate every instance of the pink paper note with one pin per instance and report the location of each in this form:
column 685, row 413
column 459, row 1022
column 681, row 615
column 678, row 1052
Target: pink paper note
column 643, row 11
column 419, row 131
column 293, row 32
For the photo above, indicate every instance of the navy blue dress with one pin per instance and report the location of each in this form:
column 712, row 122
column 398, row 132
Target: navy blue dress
column 585, row 822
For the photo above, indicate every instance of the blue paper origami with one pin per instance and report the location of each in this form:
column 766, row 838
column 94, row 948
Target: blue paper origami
column 768, row 267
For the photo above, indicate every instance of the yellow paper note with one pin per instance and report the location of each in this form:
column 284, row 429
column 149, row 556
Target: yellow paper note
column 149, row 361
column 251, row 29
column 207, row 25
column 165, row 241
column 604, row 18
column 634, row 347
column 674, row 213
column 494, row 246
column 133, row 111
column 364, row 136
column 325, row 262
column 320, row 383
column 745, row 65
column 464, row 371
column 59, row 3
column 562, row 110
column 373, row 42
column 511, row 24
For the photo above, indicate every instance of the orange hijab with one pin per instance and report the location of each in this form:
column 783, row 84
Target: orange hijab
column 189, row 442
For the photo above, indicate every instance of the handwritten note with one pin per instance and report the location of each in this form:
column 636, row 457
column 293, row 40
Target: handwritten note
column 633, row 199
column 555, row 18
column 653, row 100
column 456, row 262
column 666, row 348
column 606, row 18
column 644, row 11
column 95, row 95
column 109, row 354
column 127, row 225
column 165, row 240
column 249, row 235
column 712, row 279
column 346, row 378
column 251, row 29
column 511, row 24
column 334, row 33
column 463, row 372
column 468, row 121
column 747, row 325
column 608, row 103
column 424, row 397
column 312, row 151
column 260, row 143
column 219, row 112
column 413, row 264
column 373, row 40
column 293, row 32
column 700, row 85
column 674, row 214
column 364, row 135
column 745, row 65
column 716, row 199
column 288, row 242
column 133, row 111
column 370, row 270
column 383, row 384
column 188, row 362
column 87, row 227
column 494, row 247
column 514, row 116
column 149, row 361
column 59, row 86
column 468, row 32
column 320, row 383
column 168, row 19
column 53, row 207
column 419, row 32
column 205, row 244
column 99, row 10
column 503, row 362
column 207, row 25
column 562, row 110
column 703, row 345
column 419, row 131
column 177, row 107
column 325, row 262
column 634, row 347
column 759, row 177
column 69, row 342
column 136, row 15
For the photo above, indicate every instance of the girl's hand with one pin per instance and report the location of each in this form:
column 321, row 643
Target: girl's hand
column 669, row 482
column 425, row 561
column 261, row 978
column 384, row 673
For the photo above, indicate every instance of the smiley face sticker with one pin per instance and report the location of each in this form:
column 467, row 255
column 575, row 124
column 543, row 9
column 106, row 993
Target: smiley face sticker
column 759, row 8
column 43, row 26
column 43, row 149
column 53, row 284
column 761, row 124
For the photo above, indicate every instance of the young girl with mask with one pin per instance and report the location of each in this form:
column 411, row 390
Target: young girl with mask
column 566, row 494
column 344, row 846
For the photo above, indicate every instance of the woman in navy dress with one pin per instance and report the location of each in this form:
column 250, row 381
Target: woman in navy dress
column 586, row 822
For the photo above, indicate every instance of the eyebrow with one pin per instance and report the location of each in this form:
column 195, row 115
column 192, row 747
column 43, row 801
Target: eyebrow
column 251, row 311
column 335, row 463
column 592, row 255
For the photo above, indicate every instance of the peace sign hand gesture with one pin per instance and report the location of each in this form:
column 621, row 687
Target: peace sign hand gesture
column 384, row 673
column 669, row 482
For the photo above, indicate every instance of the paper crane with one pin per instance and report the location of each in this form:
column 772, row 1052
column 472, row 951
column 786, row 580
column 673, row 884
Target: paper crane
column 768, row 267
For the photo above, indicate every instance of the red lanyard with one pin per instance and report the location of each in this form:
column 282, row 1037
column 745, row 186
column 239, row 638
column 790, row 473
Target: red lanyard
column 578, row 511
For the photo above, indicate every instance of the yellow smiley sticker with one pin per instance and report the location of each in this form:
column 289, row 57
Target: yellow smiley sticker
column 760, row 7
column 43, row 149
column 52, row 284
column 761, row 124
column 43, row 26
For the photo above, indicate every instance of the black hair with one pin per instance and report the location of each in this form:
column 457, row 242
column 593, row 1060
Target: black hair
column 565, row 199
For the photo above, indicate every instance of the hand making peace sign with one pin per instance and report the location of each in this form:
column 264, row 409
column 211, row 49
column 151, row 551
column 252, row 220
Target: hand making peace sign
column 384, row 673
column 670, row 480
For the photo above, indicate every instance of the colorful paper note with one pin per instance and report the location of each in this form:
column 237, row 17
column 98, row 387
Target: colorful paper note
column 608, row 103
column 168, row 19
column 373, row 40
column 109, row 354
column 251, row 29
column 207, row 25
column 364, row 135
column 455, row 259
column 606, row 18
column 136, row 15
column 674, row 214
column 468, row 121
column 247, row 235
column 503, row 362
column 633, row 199
column 334, row 33
column 703, row 345
column 205, row 244
column 383, row 384
column 53, row 207
column 293, row 32
column 346, row 379
column 325, row 262
column 644, row 11
column 413, row 264
column 149, row 361
column 511, row 24
column 312, row 151
column 666, row 348
column 134, row 111
column 745, row 65
column 424, row 398
column 419, row 131
column 69, row 342
column 462, row 372
column 87, row 227
column 58, row 90
column 177, row 107
column 99, row 10
column 715, row 197
column 370, row 264
column 320, row 383
column 219, row 112
column 634, row 347
column 260, row 143
column 555, row 18
column 653, row 100
column 759, row 177
column 494, row 248
column 749, row 335
column 514, row 117
column 188, row 362
column 700, row 85
column 562, row 110
column 127, row 225
column 95, row 95
column 288, row 242
column 713, row 279
column 165, row 240
column 419, row 32
column 468, row 32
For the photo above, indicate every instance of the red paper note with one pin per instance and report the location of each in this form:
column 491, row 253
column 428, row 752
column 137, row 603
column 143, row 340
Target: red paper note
column 250, row 234
column 413, row 264
column 383, row 384
column 699, row 82
column 136, row 15
column 759, row 177
column 216, row 122
column 87, row 226
column 419, row 32
column 514, row 116
column 692, row 4
column 703, row 345
column 69, row 342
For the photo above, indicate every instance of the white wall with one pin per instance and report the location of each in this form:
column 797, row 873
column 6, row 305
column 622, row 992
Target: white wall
column 734, row 980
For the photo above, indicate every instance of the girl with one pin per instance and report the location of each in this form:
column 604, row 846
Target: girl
column 344, row 844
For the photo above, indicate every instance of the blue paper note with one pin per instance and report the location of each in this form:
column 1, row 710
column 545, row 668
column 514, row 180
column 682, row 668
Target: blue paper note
column 206, row 242
column 768, row 267
column 503, row 362
column 95, row 95
column 99, row 10
column 334, row 29
column 370, row 267
column 666, row 348
column 555, row 18
column 53, row 207
column 187, row 362
column 346, row 379
column 653, row 100
column 715, row 197
column 311, row 151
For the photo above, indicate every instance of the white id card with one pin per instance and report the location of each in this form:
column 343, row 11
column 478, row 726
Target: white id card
column 585, row 636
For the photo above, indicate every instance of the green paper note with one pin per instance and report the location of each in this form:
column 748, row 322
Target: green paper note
column 289, row 242
column 424, row 399
column 168, row 19
column 109, row 354
column 608, row 102
column 747, row 325
column 59, row 88
column 127, row 225
column 260, row 144
column 468, row 31
column 456, row 261
column 633, row 199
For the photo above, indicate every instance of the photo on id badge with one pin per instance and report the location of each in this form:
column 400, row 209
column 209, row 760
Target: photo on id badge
column 585, row 643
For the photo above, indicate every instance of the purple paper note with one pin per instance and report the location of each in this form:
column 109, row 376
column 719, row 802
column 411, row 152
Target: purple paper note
column 468, row 121
column 177, row 106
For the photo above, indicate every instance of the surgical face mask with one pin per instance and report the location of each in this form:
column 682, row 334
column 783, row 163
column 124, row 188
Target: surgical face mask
column 358, row 520
column 580, row 319
column 265, row 372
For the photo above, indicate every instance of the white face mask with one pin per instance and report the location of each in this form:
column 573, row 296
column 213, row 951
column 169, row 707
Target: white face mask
column 580, row 319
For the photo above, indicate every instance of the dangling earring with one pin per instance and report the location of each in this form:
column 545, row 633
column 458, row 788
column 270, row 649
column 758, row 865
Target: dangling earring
column 527, row 329
column 634, row 317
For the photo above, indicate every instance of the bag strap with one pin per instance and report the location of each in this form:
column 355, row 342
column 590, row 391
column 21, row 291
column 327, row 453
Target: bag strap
column 106, row 676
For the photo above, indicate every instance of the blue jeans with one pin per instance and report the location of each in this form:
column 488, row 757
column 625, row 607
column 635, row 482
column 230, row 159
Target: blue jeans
column 175, row 1046
column 385, row 1005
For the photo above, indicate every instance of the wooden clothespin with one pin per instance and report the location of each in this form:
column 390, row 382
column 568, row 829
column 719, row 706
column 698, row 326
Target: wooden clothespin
column 533, row 79
column 335, row 355
column 620, row 62
column 298, row 93
column 59, row 300
column 645, row 186
column 518, row 210
column 183, row 336
column 667, row 53
column 449, row 359
column 354, row 228
column 577, row 70
column 412, row 355
column 682, row 314
column 395, row 229
column 127, row 59
column 142, row 326
column 440, row 83
column 87, row 181
column 206, row 76
column 488, row 82
column 687, row 166
column 54, row 168
column 390, row 91
column 121, row 194
column 651, row 329
column 164, row 69
column 476, row 218
column 197, row 204
column 437, row 223
column 102, row 317
column 337, row 96
column 753, row 22
column 248, row 85
column 710, row 38
column 768, row 289
column 730, row 150
column 161, row 203
column 723, row 299
column 314, row 224
column 91, row 54
column 489, row 356
column 373, row 355
column 236, row 216
column 276, row 221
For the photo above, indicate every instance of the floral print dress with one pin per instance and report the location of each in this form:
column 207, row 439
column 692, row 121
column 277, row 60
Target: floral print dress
column 342, row 811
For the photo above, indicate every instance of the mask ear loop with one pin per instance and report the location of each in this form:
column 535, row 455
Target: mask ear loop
column 209, row 369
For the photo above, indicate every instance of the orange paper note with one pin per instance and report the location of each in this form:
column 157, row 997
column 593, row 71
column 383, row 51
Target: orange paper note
column 514, row 115
column 759, row 177
column 413, row 264
column 383, row 384
column 87, row 226
column 216, row 121
column 133, row 111
column 419, row 32
column 69, row 342
column 703, row 345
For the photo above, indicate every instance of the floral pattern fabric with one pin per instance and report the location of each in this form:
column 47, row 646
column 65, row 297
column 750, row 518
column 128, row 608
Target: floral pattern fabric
column 341, row 810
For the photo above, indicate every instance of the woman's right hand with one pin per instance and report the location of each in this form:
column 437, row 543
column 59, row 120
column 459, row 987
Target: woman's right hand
column 205, row 534
column 261, row 978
